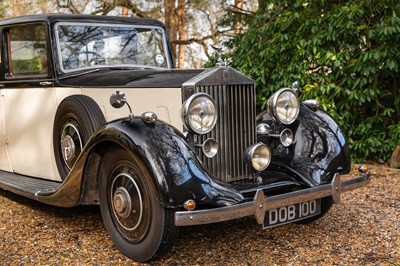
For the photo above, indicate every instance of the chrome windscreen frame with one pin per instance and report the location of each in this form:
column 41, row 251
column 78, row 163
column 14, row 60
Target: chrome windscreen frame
column 164, row 34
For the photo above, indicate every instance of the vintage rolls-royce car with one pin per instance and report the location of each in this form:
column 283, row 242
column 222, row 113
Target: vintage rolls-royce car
column 92, row 111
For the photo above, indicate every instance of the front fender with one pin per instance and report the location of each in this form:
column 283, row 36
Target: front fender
column 319, row 149
column 175, row 168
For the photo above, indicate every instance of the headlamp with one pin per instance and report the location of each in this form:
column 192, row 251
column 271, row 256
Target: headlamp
column 199, row 113
column 284, row 106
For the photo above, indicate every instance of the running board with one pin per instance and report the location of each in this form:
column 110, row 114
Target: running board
column 26, row 186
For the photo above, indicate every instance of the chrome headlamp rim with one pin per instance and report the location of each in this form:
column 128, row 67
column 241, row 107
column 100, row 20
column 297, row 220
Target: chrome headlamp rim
column 253, row 159
column 286, row 137
column 186, row 118
column 210, row 148
column 272, row 106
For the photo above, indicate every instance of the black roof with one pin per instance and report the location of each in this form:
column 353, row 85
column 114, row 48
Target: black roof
column 53, row 18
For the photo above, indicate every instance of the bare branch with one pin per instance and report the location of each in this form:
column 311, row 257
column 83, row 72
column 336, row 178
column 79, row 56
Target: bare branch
column 108, row 6
column 199, row 40
column 73, row 8
column 205, row 47
column 134, row 8
column 241, row 11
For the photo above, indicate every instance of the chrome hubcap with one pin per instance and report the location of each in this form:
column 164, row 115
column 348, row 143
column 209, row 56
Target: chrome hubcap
column 127, row 202
column 68, row 148
column 71, row 144
column 122, row 202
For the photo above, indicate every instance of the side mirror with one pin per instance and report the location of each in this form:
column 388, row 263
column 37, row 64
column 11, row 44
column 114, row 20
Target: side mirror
column 118, row 99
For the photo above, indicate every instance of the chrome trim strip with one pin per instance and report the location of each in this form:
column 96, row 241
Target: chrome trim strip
column 261, row 204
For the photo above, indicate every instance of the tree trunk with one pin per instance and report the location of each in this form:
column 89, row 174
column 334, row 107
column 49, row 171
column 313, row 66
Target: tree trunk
column 125, row 11
column 171, row 23
column 395, row 158
column 237, row 25
column 16, row 8
column 182, row 32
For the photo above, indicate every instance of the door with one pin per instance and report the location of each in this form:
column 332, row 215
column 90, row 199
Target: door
column 28, row 103
column 4, row 160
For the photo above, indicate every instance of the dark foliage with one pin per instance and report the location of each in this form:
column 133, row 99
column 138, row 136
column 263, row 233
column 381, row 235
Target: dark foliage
column 344, row 54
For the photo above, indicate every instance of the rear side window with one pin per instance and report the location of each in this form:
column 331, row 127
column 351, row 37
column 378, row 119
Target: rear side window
column 27, row 51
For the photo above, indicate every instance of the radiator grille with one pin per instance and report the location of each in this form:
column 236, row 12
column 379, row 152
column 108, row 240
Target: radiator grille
column 234, row 131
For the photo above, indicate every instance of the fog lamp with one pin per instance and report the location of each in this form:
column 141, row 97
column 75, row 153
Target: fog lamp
column 258, row 156
column 210, row 148
column 286, row 137
column 189, row 205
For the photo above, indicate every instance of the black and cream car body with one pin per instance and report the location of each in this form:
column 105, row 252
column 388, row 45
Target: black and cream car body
column 186, row 148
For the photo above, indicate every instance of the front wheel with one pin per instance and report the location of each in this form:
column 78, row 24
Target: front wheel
column 138, row 224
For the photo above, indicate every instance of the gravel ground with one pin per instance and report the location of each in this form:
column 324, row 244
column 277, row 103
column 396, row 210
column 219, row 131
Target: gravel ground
column 363, row 230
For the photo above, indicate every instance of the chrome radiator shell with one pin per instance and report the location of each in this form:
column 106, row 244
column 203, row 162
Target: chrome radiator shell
column 234, row 95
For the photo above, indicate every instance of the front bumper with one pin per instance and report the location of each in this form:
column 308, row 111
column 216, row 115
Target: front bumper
column 261, row 204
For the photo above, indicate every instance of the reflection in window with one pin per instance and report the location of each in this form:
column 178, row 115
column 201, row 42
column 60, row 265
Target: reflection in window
column 28, row 51
column 89, row 45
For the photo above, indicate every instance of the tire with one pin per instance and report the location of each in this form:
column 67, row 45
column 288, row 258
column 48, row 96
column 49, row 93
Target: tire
column 77, row 118
column 326, row 205
column 140, row 227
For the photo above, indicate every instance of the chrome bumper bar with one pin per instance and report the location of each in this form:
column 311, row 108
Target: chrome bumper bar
column 261, row 204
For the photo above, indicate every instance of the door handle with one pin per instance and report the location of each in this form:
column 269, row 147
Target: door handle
column 46, row 83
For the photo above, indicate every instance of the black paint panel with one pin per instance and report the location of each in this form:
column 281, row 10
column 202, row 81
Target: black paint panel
column 175, row 167
column 131, row 78
column 319, row 150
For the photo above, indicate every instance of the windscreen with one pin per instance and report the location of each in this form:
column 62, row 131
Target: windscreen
column 92, row 46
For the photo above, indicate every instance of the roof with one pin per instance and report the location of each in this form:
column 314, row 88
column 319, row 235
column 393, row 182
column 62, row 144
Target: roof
column 53, row 18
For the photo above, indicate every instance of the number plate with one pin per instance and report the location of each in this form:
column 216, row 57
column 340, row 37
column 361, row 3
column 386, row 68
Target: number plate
column 292, row 213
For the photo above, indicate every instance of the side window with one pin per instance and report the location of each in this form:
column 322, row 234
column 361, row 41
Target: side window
column 27, row 51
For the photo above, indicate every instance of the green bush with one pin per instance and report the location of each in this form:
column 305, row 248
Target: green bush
column 344, row 54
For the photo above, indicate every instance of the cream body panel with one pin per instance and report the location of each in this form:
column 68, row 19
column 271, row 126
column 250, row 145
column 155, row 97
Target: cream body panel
column 165, row 102
column 5, row 164
column 28, row 121
column 63, row 92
